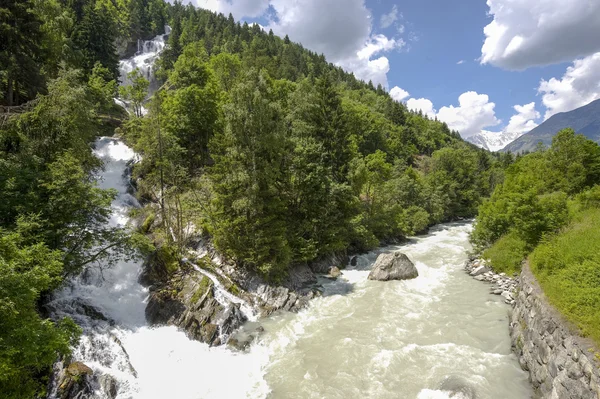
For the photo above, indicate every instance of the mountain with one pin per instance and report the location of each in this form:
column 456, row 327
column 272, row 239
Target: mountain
column 584, row 120
column 493, row 141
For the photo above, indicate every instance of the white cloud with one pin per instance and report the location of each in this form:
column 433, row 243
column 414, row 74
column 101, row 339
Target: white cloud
column 460, row 62
column 388, row 19
column 473, row 114
column 579, row 86
column 525, row 33
column 524, row 120
column 422, row 104
column 398, row 94
column 340, row 29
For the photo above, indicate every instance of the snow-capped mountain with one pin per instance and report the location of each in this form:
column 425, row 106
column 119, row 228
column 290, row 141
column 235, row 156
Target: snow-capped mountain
column 494, row 141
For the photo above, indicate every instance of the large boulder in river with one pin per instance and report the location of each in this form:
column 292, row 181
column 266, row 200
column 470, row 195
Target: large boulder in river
column 393, row 266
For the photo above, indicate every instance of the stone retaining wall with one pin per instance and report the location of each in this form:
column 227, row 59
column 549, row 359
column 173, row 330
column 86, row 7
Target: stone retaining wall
column 561, row 364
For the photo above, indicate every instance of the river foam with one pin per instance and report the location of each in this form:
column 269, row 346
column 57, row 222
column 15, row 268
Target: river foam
column 363, row 338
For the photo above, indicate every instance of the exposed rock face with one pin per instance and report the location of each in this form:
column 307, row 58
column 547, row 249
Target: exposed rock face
column 188, row 301
column 322, row 266
column 292, row 294
column 78, row 381
column 393, row 266
column 73, row 382
column 561, row 364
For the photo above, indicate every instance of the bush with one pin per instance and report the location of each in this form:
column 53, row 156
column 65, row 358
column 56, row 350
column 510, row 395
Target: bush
column 507, row 253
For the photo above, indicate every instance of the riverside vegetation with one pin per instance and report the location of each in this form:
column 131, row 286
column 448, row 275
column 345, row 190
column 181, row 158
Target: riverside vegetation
column 276, row 155
column 548, row 210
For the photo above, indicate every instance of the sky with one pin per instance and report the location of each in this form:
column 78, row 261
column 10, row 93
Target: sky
column 495, row 66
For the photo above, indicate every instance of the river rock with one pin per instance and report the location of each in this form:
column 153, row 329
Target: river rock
column 322, row 266
column 334, row 272
column 393, row 266
column 188, row 301
column 73, row 381
column 480, row 270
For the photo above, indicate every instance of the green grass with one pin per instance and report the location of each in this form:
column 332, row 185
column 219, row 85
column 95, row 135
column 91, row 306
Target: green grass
column 567, row 267
column 506, row 254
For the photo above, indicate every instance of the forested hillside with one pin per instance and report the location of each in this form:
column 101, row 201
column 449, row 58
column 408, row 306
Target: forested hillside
column 282, row 158
column 58, row 70
column 274, row 154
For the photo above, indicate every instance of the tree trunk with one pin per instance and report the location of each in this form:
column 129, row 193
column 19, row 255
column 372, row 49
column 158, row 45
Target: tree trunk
column 9, row 92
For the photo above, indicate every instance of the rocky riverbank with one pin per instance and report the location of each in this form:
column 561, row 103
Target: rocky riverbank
column 203, row 294
column 561, row 363
column 502, row 284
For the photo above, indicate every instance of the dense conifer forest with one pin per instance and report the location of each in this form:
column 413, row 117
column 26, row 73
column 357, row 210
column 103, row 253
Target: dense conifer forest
column 274, row 154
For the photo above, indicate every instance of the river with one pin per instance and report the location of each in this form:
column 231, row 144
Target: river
column 441, row 335
column 362, row 339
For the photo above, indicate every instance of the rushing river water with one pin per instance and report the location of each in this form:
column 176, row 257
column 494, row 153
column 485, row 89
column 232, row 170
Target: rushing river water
column 440, row 335
column 362, row 339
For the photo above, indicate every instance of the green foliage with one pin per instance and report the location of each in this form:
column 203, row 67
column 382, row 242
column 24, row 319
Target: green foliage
column 136, row 92
column 29, row 344
column 532, row 200
column 283, row 158
column 568, row 269
column 507, row 254
column 250, row 225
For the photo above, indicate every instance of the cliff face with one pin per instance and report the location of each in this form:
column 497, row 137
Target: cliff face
column 561, row 364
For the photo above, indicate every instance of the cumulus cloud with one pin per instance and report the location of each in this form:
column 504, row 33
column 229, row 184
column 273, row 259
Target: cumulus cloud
column 525, row 33
column 473, row 114
column 340, row 29
column 388, row 19
column 579, row 86
column 398, row 94
column 422, row 104
column 524, row 120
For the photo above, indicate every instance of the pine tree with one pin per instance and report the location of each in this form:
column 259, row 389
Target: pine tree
column 20, row 51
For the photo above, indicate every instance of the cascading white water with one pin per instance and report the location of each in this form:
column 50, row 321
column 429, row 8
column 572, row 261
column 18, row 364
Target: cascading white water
column 224, row 297
column 408, row 339
column 145, row 58
column 146, row 362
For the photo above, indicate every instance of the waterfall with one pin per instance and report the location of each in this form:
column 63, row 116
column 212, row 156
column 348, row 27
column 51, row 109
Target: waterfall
column 146, row 362
column 225, row 297
column 109, row 305
column 147, row 54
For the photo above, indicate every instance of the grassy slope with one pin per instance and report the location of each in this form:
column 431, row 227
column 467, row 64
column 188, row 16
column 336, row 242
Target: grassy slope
column 567, row 267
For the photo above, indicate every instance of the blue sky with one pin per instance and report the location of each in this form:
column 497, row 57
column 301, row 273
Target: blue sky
column 522, row 60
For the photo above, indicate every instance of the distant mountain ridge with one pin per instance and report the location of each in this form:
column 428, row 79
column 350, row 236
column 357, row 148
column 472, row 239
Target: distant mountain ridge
column 493, row 141
column 584, row 120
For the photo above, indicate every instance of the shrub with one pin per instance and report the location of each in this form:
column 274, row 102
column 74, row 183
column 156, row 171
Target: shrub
column 507, row 253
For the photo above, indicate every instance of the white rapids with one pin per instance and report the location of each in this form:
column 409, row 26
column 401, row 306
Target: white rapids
column 148, row 363
column 440, row 335
column 363, row 338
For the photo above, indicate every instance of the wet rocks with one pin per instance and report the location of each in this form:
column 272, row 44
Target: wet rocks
column 322, row 266
column 393, row 266
column 334, row 272
column 501, row 283
column 73, row 382
column 188, row 301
